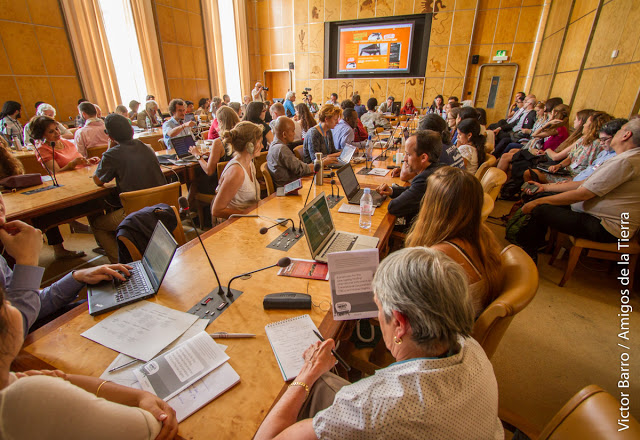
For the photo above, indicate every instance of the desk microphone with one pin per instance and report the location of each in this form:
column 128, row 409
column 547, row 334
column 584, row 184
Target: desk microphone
column 282, row 262
column 264, row 229
column 184, row 205
column 317, row 167
column 333, row 182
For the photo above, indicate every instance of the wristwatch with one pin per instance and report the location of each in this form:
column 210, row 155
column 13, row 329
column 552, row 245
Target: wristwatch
column 198, row 157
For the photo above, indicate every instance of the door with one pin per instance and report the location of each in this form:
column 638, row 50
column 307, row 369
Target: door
column 495, row 88
column 279, row 83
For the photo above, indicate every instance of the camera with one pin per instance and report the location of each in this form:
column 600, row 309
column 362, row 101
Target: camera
column 266, row 89
column 306, row 91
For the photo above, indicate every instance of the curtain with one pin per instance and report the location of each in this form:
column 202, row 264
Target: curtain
column 149, row 51
column 213, row 41
column 242, row 40
column 91, row 50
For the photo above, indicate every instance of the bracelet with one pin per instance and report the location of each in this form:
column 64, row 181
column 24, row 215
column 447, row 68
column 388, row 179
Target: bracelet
column 300, row 384
column 100, row 386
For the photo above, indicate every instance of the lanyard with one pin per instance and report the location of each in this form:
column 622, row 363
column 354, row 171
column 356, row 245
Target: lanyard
column 325, row 136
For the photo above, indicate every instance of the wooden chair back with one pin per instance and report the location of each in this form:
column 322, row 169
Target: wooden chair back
column 133, row 201
column 267, row 179
column 97, row 151
column 492, row 181
column 298, row 151
column 489, row 161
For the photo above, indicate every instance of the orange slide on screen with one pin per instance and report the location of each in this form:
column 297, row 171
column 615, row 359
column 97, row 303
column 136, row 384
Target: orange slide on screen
column 375, row 48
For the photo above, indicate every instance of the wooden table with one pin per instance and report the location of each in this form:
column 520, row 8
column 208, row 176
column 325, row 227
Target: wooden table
column 235, row 246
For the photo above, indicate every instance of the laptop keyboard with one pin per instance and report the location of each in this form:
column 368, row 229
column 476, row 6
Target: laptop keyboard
column 136, row 285
column 343, row 242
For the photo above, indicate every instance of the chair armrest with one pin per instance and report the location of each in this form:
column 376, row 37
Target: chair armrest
column 512, row 421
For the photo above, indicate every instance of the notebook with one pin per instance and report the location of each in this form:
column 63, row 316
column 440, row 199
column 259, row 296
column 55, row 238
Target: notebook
column 289, row 339
column 321, row 234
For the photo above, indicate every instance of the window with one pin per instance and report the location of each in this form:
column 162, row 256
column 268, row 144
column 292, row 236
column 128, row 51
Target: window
column 230, row 49
column 125, row 53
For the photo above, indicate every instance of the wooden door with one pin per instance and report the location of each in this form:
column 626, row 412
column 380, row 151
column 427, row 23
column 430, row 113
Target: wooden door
column 495, row 89
column 279, row 83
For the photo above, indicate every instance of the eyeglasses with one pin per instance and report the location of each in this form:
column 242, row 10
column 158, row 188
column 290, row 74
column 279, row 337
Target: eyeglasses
column 605, row 138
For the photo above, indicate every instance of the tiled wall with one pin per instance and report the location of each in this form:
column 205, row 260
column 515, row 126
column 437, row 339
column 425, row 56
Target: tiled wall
column 181, row 37
column 36, row 62
column 591, row 79
column 502, row 24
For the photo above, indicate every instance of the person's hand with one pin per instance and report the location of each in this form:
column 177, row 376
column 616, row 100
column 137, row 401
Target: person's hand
column 79, row 161
column 539, row 185
column 334, row 154
column 497, row 130
column 554, row 168
column 162, row 412
column 554, row 122
column 195, row 151
column 22, row 241
column 395, row 172
column 190, row 124
column 106, row 272
column 528, row 207
column 52, row 373
column 328, row 160
column 93, row 160
column 317, row 361
column 384, row 190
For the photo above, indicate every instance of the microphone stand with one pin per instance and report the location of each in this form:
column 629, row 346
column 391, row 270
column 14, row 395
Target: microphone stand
column 282, row 262
column 264, row 230
column 54, row 183
column 313, row 181
column 53, row 152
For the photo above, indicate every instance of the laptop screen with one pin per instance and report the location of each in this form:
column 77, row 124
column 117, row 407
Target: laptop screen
column 348, row 180
column 318, row 225
column 158, row 254
column 347, row 153
column 188, row 117
column 182, row 144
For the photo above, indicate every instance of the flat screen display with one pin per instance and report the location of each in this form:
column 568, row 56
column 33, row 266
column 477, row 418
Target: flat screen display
column 375, row 48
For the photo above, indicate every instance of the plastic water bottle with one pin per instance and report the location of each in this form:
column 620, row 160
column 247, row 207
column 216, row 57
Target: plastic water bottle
column 368, row 151
column 366, row 209
column 148, row 123
column 16, row 142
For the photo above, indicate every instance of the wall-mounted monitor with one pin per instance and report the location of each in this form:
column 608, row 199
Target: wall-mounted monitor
column 377, row 47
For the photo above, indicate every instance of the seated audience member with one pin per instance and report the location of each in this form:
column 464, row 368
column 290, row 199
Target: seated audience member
column 305, row 118
column 520, row 96
column 256, row 112
column 246, row 99
column 208, row 181
column 579, row 156
column 239, row 188
column 358, row 106
column 344, row 132
column 215, row 105
column 387, row 106
column 150, row 116
column 44, row 131
column 257, row 94
column 10, row 126
column 134, row 106
column 283, row 164
column 489, row 134
column 289, row 106
column 452, row 123
column 85, row 406
column 372, row 119
column 122, row 110
column 237, row 107
column 449, row 154
column 10, row 165
column 203, row 107
column 333, row 100
column 319, row 139
column 267, row 115
column 176, row 126
column 79, row 120
column 189, row 108
column 521, row 128
column 530, row 138
column 450, row 221
column 593, row 210
column 276, row 110
column 313, row 107
column 359, row 132
column 409, row 108
column 442, row 384
column 150, row 98
column 422, row 154
column 45, row 109
column 471, row 144
column 134, row 165
column 226, row 99
column 453, row 99
column 438, row 106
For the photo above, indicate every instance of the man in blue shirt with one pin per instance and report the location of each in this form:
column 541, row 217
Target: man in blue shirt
column 289, row 108
column 343, row 133
column 176, row 126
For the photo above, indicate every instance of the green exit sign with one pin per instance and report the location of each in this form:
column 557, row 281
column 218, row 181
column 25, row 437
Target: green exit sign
column 501, row 53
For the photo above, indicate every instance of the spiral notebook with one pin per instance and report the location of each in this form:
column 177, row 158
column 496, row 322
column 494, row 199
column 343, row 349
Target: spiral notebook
column 289, row 339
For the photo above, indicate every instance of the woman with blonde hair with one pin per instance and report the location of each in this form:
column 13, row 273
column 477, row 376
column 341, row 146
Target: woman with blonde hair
column 238, row 188
column 450, row 221
column 319, row 139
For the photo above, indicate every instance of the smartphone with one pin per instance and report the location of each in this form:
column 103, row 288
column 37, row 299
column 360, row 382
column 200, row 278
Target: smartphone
column 531, row 187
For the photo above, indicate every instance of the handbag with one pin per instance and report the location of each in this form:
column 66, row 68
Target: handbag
column 21, row 181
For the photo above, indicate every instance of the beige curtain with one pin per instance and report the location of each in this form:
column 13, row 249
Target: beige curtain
column 242, row 40
column 91, row 50
column 213, row 40
column 142, row 12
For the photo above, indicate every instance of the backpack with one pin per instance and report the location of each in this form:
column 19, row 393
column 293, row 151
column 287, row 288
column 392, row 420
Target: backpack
column 516, row 225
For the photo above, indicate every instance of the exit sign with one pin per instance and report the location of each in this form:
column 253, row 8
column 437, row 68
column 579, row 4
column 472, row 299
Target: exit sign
column 501, row 53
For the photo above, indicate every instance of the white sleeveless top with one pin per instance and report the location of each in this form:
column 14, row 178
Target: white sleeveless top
column 249, row 193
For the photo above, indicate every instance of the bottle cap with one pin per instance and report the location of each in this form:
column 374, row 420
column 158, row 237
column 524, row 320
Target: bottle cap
column 367, row 190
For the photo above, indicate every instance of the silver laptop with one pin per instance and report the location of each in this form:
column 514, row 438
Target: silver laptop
column 146, row 276
column 345, row 156
column 321, row 233
column 182, row 144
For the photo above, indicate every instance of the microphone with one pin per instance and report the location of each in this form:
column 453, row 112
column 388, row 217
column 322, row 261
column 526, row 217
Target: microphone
column 184, row 205
column 282, row 262
column 316, row 168
column 53, row 152
column 333, row 181
column 264, row 229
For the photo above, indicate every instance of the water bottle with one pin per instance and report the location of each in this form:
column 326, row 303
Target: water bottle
column 148, row 123
column 368, row 151
column 366, row 209
column 319, row 173
column 16, row 142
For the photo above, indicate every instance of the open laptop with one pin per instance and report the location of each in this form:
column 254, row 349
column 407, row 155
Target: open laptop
column 345, row 156
column 182, row 144
column 146, row 276
column 352, row 189
column 321, row 233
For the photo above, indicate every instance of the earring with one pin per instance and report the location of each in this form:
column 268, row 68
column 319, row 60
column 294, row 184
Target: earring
column 397, row 340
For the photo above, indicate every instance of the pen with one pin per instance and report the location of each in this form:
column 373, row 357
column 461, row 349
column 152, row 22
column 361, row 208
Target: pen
column 225, row 335
column 333, row 352
column 123, row 366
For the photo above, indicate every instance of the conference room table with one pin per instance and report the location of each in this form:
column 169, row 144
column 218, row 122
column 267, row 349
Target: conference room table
column 235, row 247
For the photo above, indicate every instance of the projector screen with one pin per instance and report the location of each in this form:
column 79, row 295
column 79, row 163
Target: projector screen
column 375, row 48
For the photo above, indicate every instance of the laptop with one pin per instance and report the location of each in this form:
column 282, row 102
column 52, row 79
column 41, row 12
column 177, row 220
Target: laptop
column 182, row 144
column 352, row 188
column 146, row 276
column 345, row 157
column 321, row 233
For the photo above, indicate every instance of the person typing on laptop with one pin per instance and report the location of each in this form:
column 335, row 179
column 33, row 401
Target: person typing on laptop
column 422, row 154
column 176, row 126
column 283, row 165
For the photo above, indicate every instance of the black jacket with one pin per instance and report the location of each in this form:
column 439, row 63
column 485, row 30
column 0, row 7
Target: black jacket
column 406, row 200
column 138, row 227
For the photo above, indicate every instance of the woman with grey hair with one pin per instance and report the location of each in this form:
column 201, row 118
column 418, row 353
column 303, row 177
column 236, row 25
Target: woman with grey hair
column 442, row 385
column 45, row 109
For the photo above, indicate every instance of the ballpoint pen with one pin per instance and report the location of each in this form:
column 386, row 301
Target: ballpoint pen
column 333, row 352
column 225, row 335
column 120, row 367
